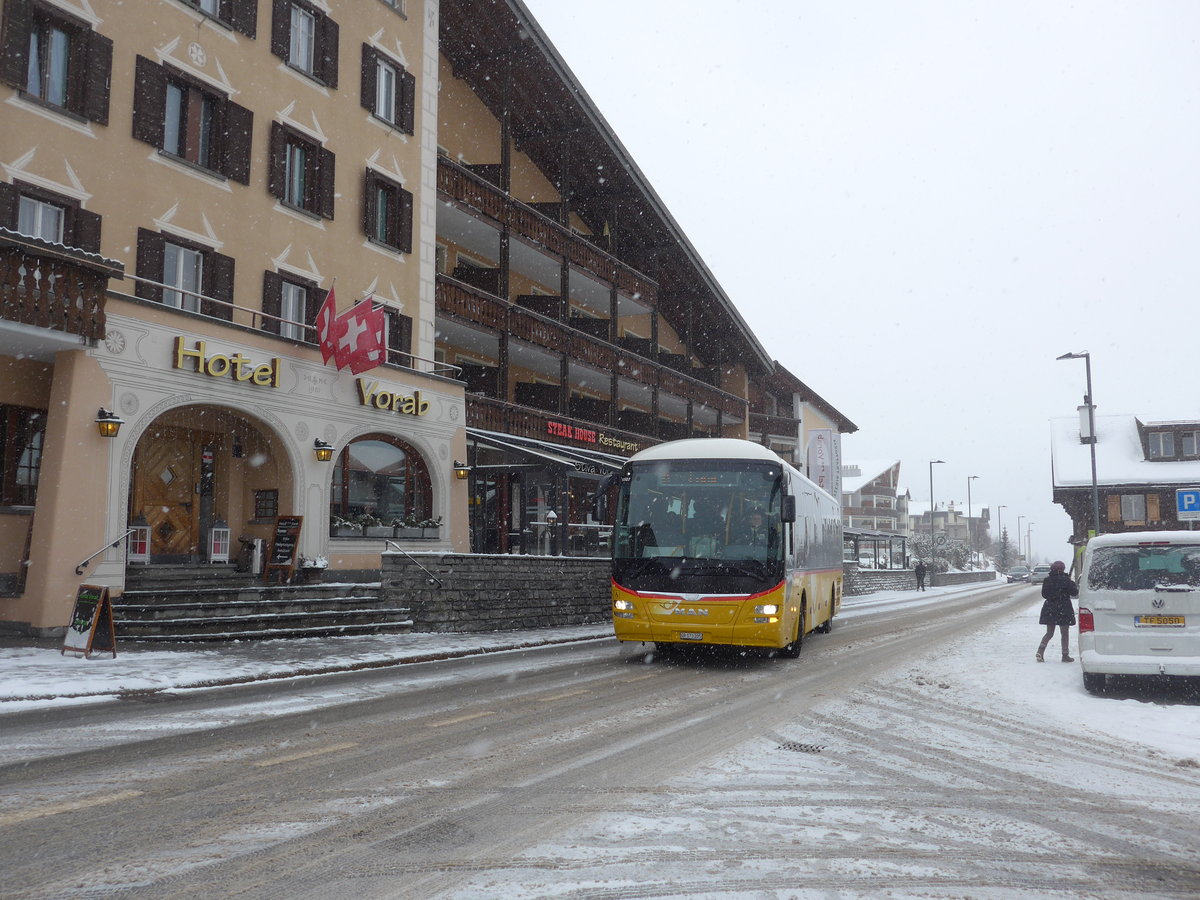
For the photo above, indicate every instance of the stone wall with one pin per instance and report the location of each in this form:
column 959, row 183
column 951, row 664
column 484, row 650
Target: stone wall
column 497, row 593
column 867, row 581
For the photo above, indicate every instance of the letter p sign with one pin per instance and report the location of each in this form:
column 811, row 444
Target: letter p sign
column 1187, row 504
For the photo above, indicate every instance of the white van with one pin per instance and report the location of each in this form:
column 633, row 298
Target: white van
column 1139, row 606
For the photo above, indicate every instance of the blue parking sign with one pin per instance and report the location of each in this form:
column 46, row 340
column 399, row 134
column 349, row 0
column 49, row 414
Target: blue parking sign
column 1187, row 504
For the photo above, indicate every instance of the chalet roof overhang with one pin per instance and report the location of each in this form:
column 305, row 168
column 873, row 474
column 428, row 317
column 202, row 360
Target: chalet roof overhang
column 498, row 49
column 781, row 381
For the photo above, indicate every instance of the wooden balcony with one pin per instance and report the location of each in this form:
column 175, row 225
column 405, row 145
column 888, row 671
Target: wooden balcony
column 470, row 189
column 508, row 418
column 53, row 287
column 469, row 304
column 780, row 426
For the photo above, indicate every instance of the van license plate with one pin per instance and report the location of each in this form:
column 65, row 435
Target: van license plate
column 1158, row 622
column 691, row 636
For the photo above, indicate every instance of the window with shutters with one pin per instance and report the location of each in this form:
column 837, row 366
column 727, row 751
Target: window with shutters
column 387, row 212
column 47, row 215
column 240, row 15
column 189, row 120
column 22, row 431
column 1133, row 509
column 306, row 39
column 290, row 306
column 184, row 275
column 55, row 59
column 302, row 172
column 388, row 90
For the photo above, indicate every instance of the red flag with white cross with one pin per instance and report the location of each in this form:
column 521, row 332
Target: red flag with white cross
column 360, row 335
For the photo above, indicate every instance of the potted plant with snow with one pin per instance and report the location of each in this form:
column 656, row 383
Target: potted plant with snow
column 311, row 569
column 408, row 528
column 430, row 527
column 373, row 526
column 339, row 527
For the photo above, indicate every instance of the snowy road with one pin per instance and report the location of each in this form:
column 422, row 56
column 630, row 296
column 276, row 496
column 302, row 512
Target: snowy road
column 888, row 761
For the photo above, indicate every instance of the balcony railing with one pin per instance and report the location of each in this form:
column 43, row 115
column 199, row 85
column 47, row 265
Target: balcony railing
column 780, row 426
column 508, row 418
column 50, row 286
column 468, row 188
column 472, row 305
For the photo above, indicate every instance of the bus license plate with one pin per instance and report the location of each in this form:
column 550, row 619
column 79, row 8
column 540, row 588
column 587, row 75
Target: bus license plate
column 1158, row 622
column 691, row 636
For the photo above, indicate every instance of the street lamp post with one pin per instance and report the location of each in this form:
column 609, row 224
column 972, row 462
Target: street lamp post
column 970, row 528
column 1091, row 438
column 932, row 505
column 1029, row 542
column 1020, row 542
column 999, row 523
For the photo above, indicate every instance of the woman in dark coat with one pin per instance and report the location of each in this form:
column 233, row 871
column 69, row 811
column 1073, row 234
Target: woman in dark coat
column 1058, row 589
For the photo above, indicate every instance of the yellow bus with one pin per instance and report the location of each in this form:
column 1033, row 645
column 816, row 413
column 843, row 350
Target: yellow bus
column 718, row 541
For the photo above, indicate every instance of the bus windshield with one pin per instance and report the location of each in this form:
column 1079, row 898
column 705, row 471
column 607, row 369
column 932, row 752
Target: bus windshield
column 700, row 510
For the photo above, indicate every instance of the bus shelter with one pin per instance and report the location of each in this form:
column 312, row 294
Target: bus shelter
column 875, row 549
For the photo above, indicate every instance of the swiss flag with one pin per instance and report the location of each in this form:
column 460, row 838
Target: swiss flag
column 360, row 338
column 326, row 320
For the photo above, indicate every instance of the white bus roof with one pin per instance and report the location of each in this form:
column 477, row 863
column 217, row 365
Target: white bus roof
column 708, row 448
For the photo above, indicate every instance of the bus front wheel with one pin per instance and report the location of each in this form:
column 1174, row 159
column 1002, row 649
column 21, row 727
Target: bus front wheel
column 792, row 650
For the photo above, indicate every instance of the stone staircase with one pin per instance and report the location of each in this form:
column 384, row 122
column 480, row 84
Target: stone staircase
column 217, row 603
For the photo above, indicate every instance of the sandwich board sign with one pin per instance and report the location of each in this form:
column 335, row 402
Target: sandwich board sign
column 90, row 629
column 284, row 545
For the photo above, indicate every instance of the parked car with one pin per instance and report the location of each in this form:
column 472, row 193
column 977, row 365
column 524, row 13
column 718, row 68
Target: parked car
column 1038, row 575
column 1018, row 573
column 1139, row 606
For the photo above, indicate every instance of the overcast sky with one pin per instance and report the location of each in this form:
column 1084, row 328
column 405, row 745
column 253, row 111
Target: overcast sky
column 917, row 206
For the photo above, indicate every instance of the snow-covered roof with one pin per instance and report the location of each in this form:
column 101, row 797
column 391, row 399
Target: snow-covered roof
column 1119, row 456
column 869, row 470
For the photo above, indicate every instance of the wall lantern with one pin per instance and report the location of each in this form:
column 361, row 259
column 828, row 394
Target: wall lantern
column 461, row 470
column 323, row 450
column 108, row 423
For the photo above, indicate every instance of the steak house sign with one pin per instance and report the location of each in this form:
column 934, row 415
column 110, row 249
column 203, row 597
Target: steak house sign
column 589, row 436
column 240, row 368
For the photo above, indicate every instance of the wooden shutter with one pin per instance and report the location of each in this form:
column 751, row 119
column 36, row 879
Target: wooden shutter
column 239, row 125
column 1114, row 507
column 97, row 71
column 325, row 167
column 10, row 206
column 242, row 15
column 327, row 50
column 1153, row 509
column 399, row 337
column 406, row 100
column 281, row 28
column 86, row 229
column 150, row 252
column 278, row 161
column 18, row 24
column 218, row 284
column 149, row 102
column 369, row 206
column 404, row 220
column 272, row 301
column 370, row 77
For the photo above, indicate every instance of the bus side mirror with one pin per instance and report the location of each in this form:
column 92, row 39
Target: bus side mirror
column 789, row 508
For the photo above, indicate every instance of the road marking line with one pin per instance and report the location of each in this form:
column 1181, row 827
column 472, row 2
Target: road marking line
column 639, row 678
column 564, row 696
column 319, row 751
column 53, row 809
column 467, row 718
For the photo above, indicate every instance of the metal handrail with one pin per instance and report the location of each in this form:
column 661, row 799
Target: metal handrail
column 433, row 579
column 83, row 565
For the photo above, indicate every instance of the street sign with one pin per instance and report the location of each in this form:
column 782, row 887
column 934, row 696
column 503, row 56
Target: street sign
column 1187, row 504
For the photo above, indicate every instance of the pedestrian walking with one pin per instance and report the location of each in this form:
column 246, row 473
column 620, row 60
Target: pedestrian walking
column 1057, row 590
column 919, row 571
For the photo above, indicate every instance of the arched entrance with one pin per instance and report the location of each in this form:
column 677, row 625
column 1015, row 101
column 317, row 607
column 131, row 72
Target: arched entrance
column 199, row 466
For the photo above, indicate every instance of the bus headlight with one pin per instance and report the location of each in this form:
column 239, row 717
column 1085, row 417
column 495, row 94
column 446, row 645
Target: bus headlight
column 767, row 609
column 623, row 604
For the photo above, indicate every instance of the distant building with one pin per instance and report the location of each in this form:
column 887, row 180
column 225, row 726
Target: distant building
column 1139, row 466
column 870, row 499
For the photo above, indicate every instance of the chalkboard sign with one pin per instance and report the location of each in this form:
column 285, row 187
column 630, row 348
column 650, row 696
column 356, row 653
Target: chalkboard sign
column 284, row 544
column 91, row 626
